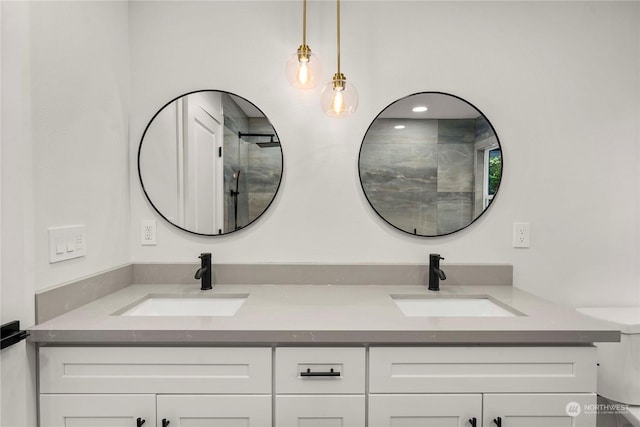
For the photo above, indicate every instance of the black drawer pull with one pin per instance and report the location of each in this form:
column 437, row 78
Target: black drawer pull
column 140, row 422
column 331, row 373
column 498, row 421
column 165, row 422
column 473, row 422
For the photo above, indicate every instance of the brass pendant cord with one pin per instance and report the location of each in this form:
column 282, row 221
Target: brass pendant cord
column 304, row 23
column 338, row 25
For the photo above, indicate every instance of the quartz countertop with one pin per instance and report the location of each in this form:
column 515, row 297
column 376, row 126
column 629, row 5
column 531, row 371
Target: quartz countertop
column 322, row 315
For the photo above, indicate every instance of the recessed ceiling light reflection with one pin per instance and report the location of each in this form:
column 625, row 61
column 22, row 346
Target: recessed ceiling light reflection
column 399, row 126
column 419, row 109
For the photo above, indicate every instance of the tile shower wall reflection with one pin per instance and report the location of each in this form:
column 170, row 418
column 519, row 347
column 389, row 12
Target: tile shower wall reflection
column 422, row 177
column 259, row 167
column 236, row 159
column 265, row 169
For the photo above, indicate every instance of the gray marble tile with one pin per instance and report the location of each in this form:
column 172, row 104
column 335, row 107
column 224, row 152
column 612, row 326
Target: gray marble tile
column 407, row 210
column 455, row 211
column 399, row 167
column 234, row 118
column 483, row 130
column 456, row 131
column 258, row 203
column 455, row 167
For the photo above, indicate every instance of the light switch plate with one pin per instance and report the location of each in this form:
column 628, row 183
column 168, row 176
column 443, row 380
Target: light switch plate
column 67, row 243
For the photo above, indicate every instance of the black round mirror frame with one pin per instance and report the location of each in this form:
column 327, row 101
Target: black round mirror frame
column 144, row 189
column 474, row 217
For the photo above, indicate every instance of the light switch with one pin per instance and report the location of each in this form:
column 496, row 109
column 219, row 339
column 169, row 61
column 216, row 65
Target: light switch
column 67, row 243
column 61, row 246
column 71, row 244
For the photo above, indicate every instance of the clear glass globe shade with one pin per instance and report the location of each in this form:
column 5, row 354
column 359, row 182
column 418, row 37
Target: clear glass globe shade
column 339, row 98
column 302, row 73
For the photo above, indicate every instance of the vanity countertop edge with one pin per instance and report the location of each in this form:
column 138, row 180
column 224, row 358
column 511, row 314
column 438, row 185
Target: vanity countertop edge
column 322, row 315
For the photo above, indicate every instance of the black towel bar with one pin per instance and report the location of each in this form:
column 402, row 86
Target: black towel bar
column 11, row 334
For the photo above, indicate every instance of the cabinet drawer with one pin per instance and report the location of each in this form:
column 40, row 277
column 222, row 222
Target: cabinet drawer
column 309, row 370
column 481, row 369
column 320, row 411
column 155, row 370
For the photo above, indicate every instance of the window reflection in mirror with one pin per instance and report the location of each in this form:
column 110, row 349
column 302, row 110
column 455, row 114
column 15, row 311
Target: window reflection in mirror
column 430, row 164
column 210, row 162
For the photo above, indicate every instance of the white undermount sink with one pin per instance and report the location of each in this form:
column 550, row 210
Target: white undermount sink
column 463, row 306
column 171, row 305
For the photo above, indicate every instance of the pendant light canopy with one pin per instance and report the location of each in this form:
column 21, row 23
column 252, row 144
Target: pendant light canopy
column 303, row 67
column 339, row 97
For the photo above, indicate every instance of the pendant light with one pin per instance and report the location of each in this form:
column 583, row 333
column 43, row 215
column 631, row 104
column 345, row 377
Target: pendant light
column 339, row 98
column 303, row 67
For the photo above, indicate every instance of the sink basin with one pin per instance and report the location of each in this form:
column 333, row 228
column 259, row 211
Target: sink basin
column 171, row 305
column 467, row 306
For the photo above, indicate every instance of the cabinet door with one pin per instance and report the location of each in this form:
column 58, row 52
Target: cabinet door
column 535, row 410
column 425, row 410
column 97, row 410
column 320, row 411
column 215, row 411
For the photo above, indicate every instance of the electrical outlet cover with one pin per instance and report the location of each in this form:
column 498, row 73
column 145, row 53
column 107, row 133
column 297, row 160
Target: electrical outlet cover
column 521, row 235
column 148, row 232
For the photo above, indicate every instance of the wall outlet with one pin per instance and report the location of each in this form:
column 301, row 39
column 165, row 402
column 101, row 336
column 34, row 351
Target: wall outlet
column 148, row 232
column 521, row 235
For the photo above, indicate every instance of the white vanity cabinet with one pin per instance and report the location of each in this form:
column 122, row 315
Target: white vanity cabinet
column 515, row 386
column 454, row 386
column 127, row 386
column 320, row 387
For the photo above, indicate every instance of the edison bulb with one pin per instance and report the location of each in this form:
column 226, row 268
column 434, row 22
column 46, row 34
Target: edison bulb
column 337, row 101
column 302, row 76
column 339, row 98
column 303, row 68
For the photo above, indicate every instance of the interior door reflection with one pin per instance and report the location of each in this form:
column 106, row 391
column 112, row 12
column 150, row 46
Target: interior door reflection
column 203, row 179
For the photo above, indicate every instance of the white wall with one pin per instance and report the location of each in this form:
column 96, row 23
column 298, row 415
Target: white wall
column 65, row 160
column 558, row 80
column 17, row 390
column 80, row 95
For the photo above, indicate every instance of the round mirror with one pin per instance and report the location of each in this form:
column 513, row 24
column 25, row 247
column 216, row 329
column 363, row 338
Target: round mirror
column 430, row 164
column 210, row 162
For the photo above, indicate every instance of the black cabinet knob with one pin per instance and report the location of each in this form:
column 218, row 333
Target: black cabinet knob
column 498, row 421
column 140, row 422
column 473, row 422
column 165, row 422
